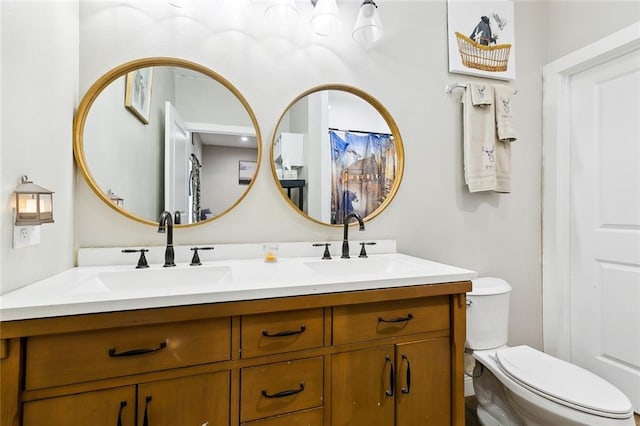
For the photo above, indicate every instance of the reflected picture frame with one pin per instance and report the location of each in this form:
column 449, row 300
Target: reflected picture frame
column 246, row 170
column 137, row 97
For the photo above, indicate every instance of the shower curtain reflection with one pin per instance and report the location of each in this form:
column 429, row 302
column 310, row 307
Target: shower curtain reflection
column 363, row 168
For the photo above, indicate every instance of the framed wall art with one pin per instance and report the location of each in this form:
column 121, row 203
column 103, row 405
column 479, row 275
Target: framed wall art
column 481, row 38
column 138, row 93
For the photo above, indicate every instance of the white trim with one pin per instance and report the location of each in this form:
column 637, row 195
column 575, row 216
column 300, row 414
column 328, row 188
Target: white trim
column 556, row 312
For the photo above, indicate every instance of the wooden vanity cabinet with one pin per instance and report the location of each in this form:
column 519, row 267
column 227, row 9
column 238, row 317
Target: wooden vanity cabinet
column 405, row 383
column 372, row 357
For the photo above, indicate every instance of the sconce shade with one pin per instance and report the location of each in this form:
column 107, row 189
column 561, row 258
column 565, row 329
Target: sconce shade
column 281, row 13
column 34, row 204
column 368, row 28
column 326, row 17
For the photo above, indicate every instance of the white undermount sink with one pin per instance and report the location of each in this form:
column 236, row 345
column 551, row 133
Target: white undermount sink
column 377, row 265
column 165, row 278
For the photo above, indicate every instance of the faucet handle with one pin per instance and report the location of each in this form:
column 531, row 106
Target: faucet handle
column 326, row 255
column 195, row 260
column 142, row 261
column 363, row 252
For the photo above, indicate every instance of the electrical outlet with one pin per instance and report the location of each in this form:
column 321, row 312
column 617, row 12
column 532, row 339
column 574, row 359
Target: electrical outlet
column 26, row 236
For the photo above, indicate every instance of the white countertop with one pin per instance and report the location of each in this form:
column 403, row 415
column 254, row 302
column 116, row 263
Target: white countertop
column 108, row 288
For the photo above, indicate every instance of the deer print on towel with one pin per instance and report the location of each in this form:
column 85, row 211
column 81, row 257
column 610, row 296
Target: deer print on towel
column 490, row 152
column 481, row 90
column 505, row 104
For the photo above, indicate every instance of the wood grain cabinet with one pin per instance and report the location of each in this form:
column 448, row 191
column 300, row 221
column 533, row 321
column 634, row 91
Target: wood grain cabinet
column 371, row 357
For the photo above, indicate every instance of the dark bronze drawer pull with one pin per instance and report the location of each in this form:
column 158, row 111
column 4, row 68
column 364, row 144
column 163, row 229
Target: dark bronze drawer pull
column 265, row 333
column 145, row 419
column 134, row 352
column 406, row 389
column 284, row 393
column 409, row 317
column 392, row 377
column 122, row 405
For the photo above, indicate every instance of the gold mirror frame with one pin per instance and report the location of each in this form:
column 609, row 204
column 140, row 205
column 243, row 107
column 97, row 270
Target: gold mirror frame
column 393, row 127
column 120, row 71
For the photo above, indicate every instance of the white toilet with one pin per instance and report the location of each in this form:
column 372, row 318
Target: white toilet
column 522, row 386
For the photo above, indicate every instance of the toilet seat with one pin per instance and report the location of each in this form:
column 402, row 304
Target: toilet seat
column 562, row 382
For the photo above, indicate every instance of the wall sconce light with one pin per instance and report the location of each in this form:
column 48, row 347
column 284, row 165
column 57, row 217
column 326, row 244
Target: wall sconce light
column 326, row 17
column 368, row 28
column 34, row 204
column 115, row 199
column 281, row 13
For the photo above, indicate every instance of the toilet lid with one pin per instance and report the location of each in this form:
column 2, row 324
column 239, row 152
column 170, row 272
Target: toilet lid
column 563, row 382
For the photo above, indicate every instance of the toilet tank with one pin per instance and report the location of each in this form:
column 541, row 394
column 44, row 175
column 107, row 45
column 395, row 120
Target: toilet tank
column 488, row 313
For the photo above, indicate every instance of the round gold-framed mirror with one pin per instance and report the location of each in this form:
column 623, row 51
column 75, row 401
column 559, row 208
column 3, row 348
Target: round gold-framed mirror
column 166, row 134
column 337, row 150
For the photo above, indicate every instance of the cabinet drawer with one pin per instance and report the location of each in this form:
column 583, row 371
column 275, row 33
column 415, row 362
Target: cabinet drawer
column 313, row 417
column 271, row 333
column 61, row 359
column 358, row 323
column 273, row 389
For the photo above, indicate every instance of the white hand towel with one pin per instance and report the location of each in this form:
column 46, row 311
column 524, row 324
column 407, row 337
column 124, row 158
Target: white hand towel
column 506, row 133
column 479, row 134
column 481, row 93
column 503, row 167
column 505, row 121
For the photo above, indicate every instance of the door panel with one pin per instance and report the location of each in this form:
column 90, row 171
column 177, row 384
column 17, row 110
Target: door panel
column 424, row 383
column 108, row 407
column 177, row 141
column 605, row 222
column 359, row 380
column 194, row 400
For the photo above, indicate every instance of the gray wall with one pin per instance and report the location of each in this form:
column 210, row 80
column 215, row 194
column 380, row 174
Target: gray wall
column 571, row 25
column 39, row 75
column 433, row 215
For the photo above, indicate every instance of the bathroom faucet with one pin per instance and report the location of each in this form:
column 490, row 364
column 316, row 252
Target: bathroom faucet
column 345, row 239
column 165, row 224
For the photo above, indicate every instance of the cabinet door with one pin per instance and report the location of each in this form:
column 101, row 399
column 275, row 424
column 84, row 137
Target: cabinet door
column 189, row 401
column 423, row 383
column 112, row 407
column 362, row 387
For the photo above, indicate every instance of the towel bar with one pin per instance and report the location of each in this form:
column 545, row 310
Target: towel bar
column 449, row 88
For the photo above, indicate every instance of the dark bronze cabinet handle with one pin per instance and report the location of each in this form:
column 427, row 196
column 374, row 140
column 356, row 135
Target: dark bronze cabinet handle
column 265, row 333
column 114, row 354
column 409, row 317
column 122, row 405
column 145, row 420
column 284, row 393
column 406, row 389
column 392, row 377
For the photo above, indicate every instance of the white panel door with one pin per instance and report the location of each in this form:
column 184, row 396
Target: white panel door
column 605, row 222
column 177, row 148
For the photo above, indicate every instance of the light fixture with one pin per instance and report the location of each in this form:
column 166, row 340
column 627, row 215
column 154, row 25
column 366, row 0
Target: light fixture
column 326, row 17
column 34, row 204
column 115, row 199
column 368, row 28
column 281, row 14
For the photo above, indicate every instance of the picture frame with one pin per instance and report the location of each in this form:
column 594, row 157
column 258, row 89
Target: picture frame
column 246, row 170
column 138, row 93
column 481, row 38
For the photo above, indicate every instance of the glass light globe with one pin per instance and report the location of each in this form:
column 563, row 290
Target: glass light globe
column 368, row 28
